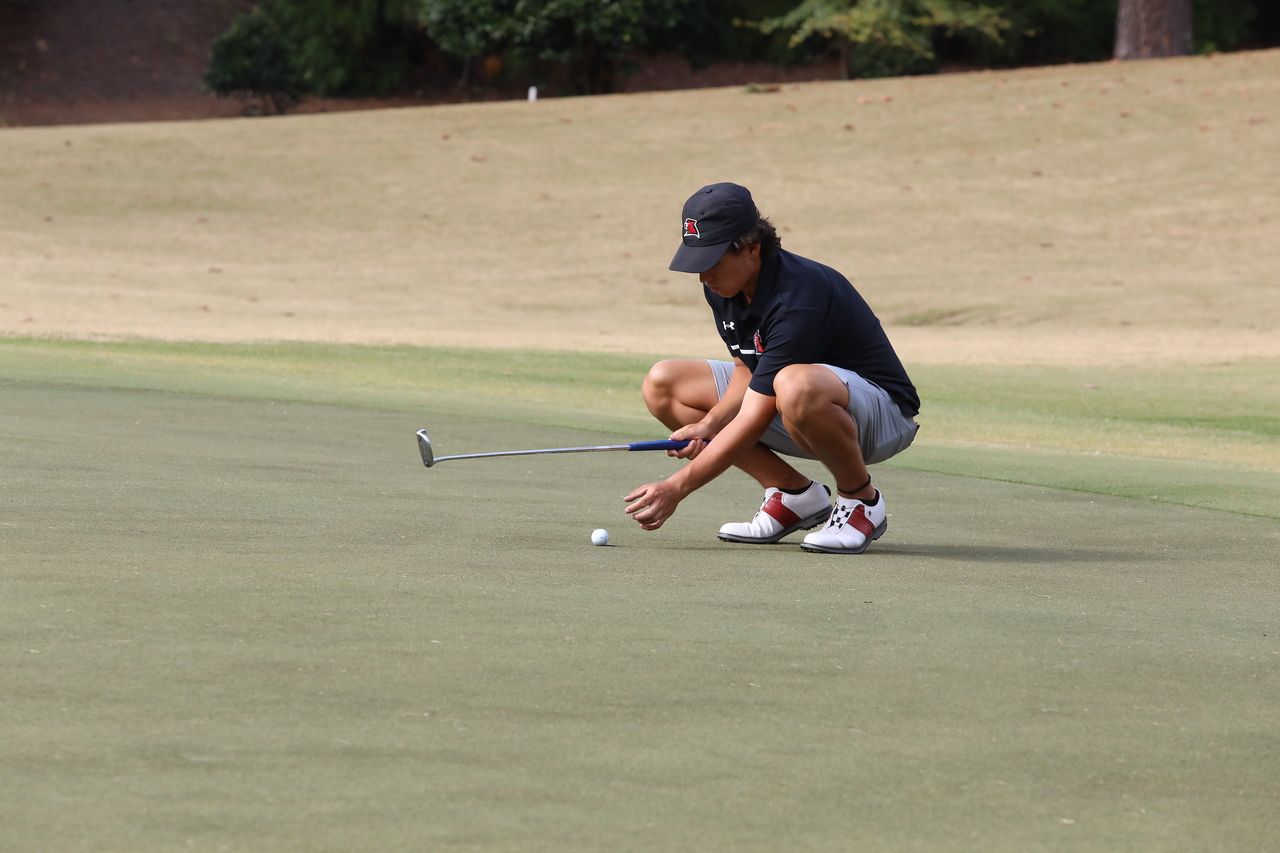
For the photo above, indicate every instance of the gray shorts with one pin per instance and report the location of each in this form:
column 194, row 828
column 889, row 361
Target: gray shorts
column 883, row 431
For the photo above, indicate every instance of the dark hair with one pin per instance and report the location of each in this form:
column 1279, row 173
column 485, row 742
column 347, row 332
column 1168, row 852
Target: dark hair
column 763, row 233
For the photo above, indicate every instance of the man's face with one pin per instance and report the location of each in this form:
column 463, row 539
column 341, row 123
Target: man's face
column 734, row 273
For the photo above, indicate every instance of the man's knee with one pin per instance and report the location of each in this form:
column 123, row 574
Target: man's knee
column 679, row 382
column 803, row 390
column 660, row 383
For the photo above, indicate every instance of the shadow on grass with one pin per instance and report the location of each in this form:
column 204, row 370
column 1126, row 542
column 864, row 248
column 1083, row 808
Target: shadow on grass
column 957, row 553
column 1014, row 554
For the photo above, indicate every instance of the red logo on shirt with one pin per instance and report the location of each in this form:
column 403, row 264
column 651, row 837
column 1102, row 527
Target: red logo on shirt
column 759, row 343
column 691, row 228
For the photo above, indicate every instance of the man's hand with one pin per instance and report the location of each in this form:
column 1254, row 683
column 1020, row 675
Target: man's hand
column 653, row 503
column 697, row 435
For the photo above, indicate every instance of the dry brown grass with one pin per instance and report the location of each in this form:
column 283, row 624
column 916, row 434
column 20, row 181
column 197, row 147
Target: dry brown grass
column 1093, row 213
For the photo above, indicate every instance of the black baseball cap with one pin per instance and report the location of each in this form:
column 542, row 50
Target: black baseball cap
column 713, row 218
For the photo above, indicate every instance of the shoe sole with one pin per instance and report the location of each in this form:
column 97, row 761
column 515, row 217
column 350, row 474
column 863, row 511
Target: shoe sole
column 875, row 534
column 809, row 523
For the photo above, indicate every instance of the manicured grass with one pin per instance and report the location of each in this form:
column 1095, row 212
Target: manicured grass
column 1196, row 435
column 1206, row 436
column 237, row 620
column 554, row 388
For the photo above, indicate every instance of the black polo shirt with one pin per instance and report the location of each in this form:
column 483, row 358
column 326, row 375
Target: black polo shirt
column 807, row 313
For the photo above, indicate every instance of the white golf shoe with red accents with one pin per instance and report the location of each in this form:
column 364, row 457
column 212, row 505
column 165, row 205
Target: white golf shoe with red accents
column 780, row 515
column 852, row 527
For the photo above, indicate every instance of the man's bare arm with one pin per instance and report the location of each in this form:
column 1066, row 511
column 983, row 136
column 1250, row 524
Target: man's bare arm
column 653, row 503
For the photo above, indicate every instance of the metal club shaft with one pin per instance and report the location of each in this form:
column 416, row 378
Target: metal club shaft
column 429, row 458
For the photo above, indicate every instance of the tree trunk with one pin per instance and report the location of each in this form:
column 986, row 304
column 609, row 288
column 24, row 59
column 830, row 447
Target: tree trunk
column 1146, row 29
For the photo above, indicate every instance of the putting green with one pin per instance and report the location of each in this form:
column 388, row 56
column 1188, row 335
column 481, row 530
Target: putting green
column 1201, row 436
column 233, row 622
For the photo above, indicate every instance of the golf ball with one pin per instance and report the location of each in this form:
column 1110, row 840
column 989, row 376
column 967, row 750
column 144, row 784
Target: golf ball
column 599, row 536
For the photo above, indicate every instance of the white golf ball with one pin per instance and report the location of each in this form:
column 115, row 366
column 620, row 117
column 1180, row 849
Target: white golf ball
column 599, row 536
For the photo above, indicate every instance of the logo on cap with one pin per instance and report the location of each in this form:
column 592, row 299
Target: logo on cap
column 691, row 228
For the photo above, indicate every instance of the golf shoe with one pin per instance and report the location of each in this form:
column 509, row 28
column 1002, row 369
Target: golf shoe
column 782, row 514
column 852, row 527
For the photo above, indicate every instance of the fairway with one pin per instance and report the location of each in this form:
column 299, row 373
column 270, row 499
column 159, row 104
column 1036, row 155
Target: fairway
column 239, row 614
column 1048, row 215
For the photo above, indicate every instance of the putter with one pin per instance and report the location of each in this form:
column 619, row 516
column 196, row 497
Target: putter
column 430, row 459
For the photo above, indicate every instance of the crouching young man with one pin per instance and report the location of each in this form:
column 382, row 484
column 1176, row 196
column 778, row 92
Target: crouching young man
column 813, row 376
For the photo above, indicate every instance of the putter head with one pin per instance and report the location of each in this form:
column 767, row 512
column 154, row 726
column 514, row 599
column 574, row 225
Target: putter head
column 424, row 447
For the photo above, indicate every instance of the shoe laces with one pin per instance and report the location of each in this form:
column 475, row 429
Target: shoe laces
column 840, row 516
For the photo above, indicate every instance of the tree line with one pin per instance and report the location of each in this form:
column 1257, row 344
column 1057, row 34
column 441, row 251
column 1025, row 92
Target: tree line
column 281, row 50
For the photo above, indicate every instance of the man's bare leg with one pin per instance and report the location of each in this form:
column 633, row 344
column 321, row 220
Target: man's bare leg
column 680, row 392
column 813, row 403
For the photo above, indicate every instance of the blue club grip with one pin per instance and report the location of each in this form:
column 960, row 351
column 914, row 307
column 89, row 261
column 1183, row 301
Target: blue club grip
column 669, row 444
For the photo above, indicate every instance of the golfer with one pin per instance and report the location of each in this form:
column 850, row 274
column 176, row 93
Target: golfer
column 813, row 376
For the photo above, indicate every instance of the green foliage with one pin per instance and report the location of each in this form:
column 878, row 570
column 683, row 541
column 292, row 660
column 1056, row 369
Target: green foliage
column 1221, row 24
column 1057, row 31
column 350, row 47
column 880, row 38
column 468, row 28
column 1042, row 32
column 710, row 31
column 254, row 60
column 1045, row 32
column 592, row 38
column 363, row 47
column 329, row 47
column 589, row 38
